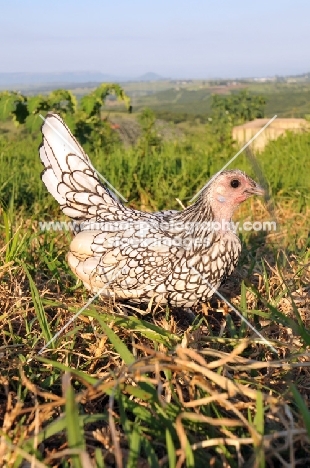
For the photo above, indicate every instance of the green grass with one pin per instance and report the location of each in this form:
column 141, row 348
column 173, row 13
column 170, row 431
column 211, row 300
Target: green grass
column 155, row 176
column 154, row 389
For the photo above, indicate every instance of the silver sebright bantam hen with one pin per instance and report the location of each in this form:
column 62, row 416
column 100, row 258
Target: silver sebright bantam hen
column 171, row 257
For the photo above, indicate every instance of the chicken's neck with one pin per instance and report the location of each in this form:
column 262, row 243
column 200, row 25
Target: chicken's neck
column 201, row 218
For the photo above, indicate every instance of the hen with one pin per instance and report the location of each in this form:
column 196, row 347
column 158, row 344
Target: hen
column 176, row 258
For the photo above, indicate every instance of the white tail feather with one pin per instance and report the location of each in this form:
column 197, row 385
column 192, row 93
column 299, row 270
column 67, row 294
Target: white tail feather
column 69, row 175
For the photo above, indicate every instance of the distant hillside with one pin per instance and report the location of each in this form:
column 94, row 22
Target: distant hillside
column 13, row 79
column 284, row 99
column 150, row 76
column 302, row 77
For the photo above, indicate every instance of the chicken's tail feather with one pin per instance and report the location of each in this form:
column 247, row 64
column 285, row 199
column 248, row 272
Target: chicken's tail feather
column 69, row 175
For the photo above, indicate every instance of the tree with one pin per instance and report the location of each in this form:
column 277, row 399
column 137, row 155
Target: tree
column 235, row 109
column 84, row 117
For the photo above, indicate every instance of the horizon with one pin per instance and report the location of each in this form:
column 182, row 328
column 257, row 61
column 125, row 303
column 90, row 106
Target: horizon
column 147, row 77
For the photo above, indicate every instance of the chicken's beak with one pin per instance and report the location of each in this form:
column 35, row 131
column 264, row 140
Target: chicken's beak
column 256, row 190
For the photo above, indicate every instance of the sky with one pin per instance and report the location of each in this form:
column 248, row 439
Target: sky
column 174, row 38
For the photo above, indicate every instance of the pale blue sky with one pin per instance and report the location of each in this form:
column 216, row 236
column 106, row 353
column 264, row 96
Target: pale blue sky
column 174, row 38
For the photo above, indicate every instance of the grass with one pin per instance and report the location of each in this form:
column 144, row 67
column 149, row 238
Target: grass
column 126, row 387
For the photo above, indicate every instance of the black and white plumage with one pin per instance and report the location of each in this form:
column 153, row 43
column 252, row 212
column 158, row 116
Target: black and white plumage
column 171, row 257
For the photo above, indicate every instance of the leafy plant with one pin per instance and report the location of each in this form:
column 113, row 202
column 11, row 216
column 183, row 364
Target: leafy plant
column 150, row 140
column 84, row 118
column 235, row 109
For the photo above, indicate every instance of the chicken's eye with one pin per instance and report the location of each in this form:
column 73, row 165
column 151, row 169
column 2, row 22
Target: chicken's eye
column 235, row 183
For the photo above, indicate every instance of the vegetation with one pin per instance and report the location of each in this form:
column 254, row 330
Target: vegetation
column 193, row 101
column 124, row 386
column 83, row 117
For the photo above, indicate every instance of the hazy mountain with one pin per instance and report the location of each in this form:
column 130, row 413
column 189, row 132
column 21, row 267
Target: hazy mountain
column 47, row 81
column 150, row 76
column 9, row 79
column 61, row 78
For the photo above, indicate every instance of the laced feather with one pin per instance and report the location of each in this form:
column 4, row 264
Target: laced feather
column 148, row 268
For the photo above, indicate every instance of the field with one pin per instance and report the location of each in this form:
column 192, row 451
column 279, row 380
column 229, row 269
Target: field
column 124, row 386
column 283, row 99
column 190, row 99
